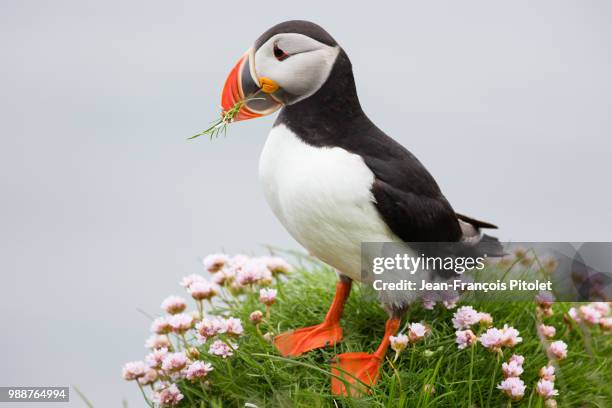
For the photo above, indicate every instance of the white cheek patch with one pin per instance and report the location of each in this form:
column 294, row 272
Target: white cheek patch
column 295, row 43
column 304, row 72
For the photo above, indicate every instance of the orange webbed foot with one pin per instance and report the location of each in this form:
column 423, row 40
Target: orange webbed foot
column 300, row 341
column 359, row 370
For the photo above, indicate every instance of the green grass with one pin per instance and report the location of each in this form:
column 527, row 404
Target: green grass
column 257, row 374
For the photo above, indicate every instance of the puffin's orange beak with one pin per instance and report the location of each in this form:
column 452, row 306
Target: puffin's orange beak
column 243, row 86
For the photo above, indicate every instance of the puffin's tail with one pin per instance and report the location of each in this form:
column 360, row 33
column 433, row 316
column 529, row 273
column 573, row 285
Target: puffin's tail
column 477, row 243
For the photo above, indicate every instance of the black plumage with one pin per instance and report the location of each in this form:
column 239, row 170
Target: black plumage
column 407, row 196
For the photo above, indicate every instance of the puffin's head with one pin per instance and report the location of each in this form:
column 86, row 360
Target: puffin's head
column 287, row 63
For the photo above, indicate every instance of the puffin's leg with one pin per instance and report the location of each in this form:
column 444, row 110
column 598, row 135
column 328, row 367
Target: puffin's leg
column 329, row 332
column 358, row 368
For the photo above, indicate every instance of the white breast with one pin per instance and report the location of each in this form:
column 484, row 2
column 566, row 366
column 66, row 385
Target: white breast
column 322, row 196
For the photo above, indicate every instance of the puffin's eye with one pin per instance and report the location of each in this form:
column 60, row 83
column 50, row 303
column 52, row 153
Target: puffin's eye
column 280, row 54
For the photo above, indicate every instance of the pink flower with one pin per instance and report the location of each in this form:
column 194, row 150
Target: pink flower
column 546, row 389
column 161, row 325
column 174, row 362
column 202, row 290
column 492, row 339
column 247, row 277
column 465, row 338
column 169, row 397
column 180, row 323
column 197, row 369
column 601, row 307
column 512, row 369
column 428, row 304
column 174, row 304
column 545, row 311
column 235, row 288
column 277, row 265
column 547, row 373
column 221, row 349
column 233, row 326
column 149, row 378
column 156, row 358
column 485, row 319
column 267, row 296
column 256, row 317
column 558, row 349
column 224, row 276
column 237, row 262
column 465, row 317
column 547, row 331
column 549, row 264
column 510, row 336
column 213, row 263
column 210, row 327
column 450, row 303
column 513, row 387
column 399, row 342
column 606, row 323
column 573, row 313
column 416, row 332
column 159, row 386
column 550, row 403
column 157, row 341
column 254, row 271
column 518, row 359
column 545, row 299
column 187, row 281
column 590, row 314
column 133, row 370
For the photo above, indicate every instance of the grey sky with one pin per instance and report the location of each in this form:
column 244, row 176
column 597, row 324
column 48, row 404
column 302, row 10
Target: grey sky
column 105, row 205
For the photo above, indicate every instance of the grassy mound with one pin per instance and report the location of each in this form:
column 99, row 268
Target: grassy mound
column 257, row 374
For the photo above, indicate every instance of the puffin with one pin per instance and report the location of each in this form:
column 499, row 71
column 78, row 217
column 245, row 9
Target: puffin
column 334, row 179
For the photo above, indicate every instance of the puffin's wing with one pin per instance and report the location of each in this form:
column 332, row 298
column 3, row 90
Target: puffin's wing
column 414, row 217
column 406, row 196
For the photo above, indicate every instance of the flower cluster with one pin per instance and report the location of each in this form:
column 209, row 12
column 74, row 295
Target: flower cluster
column 463, row 320
column 467, row 316
column 555, row 349
column 545, row 301
column 183, row 341
column 416, row 333
column 595, row 313
column 449, row 302
column 512, row 385
column 545, row 386
column 494, row 339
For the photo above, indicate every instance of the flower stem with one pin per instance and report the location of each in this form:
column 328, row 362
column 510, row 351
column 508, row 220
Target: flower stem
column 144, row 395
column 492, row 385
column 399, row 380
column 471, row 372
column 200, row 308
column 185, row 342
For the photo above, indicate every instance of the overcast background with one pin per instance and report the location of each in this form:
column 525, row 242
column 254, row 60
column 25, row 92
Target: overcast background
column 104, row 205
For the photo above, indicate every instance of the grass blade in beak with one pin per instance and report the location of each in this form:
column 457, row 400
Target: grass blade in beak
column 221, row 124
